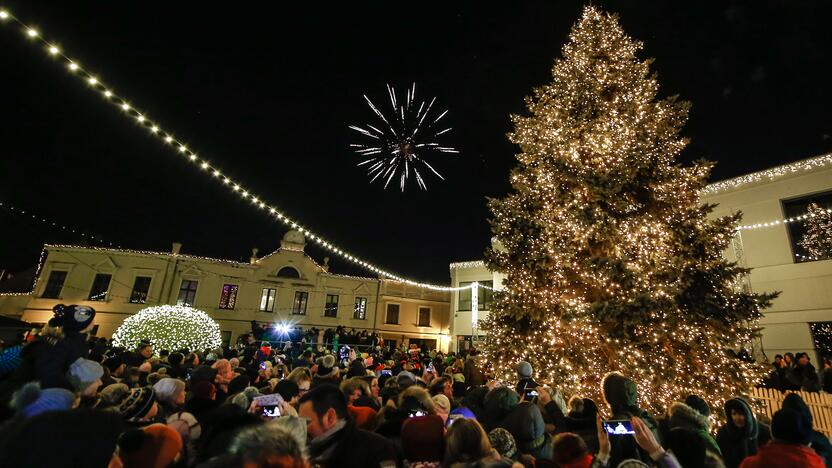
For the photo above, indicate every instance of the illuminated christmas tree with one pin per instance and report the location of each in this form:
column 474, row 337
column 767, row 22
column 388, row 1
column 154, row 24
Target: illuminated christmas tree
column 817, row 241
column 169, row 327
column 611, row 263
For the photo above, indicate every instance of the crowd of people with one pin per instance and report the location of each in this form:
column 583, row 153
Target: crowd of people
column 72, row 400
column 796, row 372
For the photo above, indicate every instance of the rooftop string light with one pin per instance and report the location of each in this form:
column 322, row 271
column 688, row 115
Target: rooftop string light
column 154, row 128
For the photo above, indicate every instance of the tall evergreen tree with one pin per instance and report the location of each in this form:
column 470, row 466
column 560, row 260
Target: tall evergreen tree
column 610, row 260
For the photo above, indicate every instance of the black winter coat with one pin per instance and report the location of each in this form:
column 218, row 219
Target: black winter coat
column 737, row 443
column 339, row 450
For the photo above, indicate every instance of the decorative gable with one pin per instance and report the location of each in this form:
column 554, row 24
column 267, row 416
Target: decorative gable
column 105, row 265
column 193, row 270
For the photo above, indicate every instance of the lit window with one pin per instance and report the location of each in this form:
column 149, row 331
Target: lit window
column 267, row 300
column 141, row 286
column 299, row 304
column 360, row 311
column 187, row 293
column 100, row 287
column 331, row 307
column 228, row 298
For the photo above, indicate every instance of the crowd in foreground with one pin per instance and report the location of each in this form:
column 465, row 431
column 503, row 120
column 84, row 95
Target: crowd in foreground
column 74, row 400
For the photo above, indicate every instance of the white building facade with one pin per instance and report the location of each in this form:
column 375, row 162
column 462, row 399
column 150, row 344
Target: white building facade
column 800, row 319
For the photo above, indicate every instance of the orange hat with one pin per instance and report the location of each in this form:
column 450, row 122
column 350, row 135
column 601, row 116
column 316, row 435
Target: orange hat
column 364, row 416
column 157, row 449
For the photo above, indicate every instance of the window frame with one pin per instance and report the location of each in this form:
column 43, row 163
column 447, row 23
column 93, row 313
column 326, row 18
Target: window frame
column 146, row 292
column 60, row 290
column 268, row 294
column 387, row 313
column 105, row 297
column 419, row 315
column 328, row 304
column 481, row 292
column 305, row 301
column 792, row 229
column 355, row 314
column 179, row 300
column 231, row 302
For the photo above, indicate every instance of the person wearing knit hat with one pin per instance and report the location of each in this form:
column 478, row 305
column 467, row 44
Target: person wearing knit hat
column 112, row 395
column 327, row 371
column 423, row 439
column 503, row 442
column 405, row 379
column 683, row 416
column 85, row 376
column 155, row 446
column 792, row 432
column 244, row 398
column 31, row 400
column 443, row 406
column 570, row 451
column 139, row 406
column 820, row 443
column 170, row 393
column 74, row 317
column 525, row 380
column 364, row 417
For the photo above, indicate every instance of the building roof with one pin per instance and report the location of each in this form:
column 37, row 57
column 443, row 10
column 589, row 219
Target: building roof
column 795, row 168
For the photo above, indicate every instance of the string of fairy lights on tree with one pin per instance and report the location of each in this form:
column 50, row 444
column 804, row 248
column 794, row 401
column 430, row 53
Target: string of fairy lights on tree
column 154, row 128
column 610, row 261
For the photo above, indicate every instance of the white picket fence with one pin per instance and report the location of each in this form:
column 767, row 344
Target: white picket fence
column 819, row 403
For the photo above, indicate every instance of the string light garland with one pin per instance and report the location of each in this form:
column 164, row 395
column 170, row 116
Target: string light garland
column 769, row 174
column 94, row 82
column 169, row 327
column 53, row 224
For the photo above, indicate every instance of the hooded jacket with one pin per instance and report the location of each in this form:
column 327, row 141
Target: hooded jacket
column 737, row 443
column 621, row 393
column 685, row 417
column 525, row 423
column 820, row 444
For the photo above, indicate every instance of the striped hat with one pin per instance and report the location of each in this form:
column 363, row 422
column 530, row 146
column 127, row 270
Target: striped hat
column 137, row 404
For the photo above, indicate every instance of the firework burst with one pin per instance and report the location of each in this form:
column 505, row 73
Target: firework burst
column 398, row 145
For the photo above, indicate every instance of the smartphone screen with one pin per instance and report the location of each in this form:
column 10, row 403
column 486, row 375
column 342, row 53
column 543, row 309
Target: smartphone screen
column 622, row 427
column 417, row 413
column 531, row 395
column 272, row 411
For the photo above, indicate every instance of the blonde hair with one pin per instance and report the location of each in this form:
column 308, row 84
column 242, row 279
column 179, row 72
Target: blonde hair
column 299, row 375
column 350, row 385
column 466, row 442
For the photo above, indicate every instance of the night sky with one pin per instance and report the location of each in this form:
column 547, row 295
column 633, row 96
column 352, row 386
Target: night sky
column 267, row 93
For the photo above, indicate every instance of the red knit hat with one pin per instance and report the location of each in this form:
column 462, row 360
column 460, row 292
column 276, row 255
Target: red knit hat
column 157, row 449
column 423, row 438
column 365, row 417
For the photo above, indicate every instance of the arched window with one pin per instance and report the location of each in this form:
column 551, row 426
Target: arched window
column 288, row 272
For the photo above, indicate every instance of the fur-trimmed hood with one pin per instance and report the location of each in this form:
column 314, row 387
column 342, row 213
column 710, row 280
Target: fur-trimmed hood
column 683, row 416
